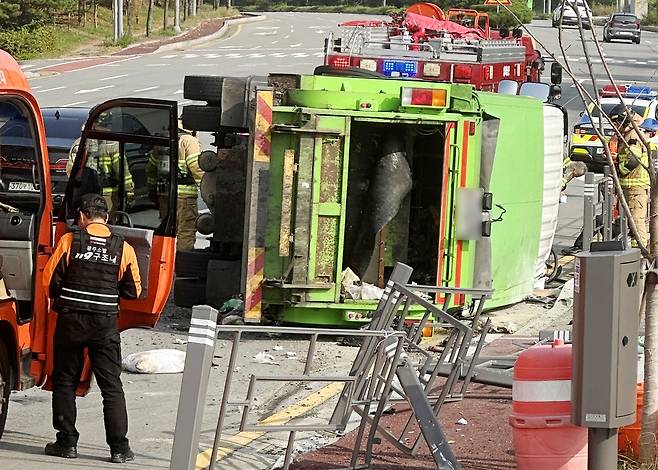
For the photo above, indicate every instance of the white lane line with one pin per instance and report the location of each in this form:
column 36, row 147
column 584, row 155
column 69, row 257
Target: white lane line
column 93, row 90
column 112, row 78
column 69, row 105
column 321, row 31
column 27, row 66
column 234, row 56
column 34, row 88
column 212, row 56
column 256, row 56
column 157, row 65
column 146, row 89
column 318, row 54
column 287, row 36
column 52, row 89
column 268, row 27
column 296, row 45
column 170, row 56
column 580, row 81
column 648, row 42
column 300, row 54
column 275, row 42
column 640, row 63
column 278, row 54
column 190, row 56
column 267, row 33
column 204, row 65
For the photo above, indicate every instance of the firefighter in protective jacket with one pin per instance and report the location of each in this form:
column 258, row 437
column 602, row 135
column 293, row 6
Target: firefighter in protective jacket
column 89, row 271
column 105, row 159
column 189, row 179
column 632, row 164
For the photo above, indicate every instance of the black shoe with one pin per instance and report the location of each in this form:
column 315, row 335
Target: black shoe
column 57, row 449
column 122, row 457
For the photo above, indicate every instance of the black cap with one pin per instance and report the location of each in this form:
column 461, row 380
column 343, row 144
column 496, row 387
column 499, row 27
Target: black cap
column 92, row 202
column 619, row 113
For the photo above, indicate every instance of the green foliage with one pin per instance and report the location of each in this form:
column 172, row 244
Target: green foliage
column 505, row 19
column 18, row 13
column 27, row 42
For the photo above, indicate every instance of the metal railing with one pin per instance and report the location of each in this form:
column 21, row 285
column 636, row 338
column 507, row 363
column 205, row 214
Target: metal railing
column 382, row 366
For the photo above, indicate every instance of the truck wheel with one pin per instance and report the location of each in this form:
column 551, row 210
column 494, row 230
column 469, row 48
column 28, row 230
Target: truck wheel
column 6, row 380
column 202, row 118
column 189, row 292
column 194, row 263
column 203, row 88
column 354, row 72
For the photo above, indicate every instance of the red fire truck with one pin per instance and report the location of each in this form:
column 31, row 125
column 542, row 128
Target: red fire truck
column 425, row 43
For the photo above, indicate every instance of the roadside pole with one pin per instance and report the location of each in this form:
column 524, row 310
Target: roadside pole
column 198, row 361
column 177, row 17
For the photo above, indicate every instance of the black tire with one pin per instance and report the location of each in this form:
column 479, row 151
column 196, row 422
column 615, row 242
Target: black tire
column 202, row 118
column 189, row 292
column 354, row 72
column 553, row 268
column 6, row 382
column 194, row 263
column 636, row 41
column 203, row 88
column 554, row 23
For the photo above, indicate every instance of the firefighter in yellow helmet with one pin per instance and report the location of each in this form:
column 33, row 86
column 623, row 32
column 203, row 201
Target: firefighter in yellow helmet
column 632, row 164
column 189, row 179
column 104, row 158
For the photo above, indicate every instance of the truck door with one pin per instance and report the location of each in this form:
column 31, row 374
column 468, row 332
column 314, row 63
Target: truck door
column 126, row 152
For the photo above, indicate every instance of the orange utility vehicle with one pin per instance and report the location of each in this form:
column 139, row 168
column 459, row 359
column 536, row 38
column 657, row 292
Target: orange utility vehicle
column 131, row 129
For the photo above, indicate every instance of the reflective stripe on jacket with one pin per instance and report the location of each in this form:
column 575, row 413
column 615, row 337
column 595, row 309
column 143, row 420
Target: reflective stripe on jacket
column 91, row 284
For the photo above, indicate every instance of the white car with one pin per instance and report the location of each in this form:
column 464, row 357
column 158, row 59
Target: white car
column 570, row 16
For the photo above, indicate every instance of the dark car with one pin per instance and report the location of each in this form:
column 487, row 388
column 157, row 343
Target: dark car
column 622, row 26
column 63, row 127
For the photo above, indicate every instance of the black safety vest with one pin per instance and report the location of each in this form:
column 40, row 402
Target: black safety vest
column 91, row 283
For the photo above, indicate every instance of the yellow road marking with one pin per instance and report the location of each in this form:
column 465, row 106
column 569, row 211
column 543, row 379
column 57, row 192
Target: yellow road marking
column 243, row 439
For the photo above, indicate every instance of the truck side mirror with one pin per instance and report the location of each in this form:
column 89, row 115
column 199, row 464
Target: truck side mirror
column 556, row 73
column 555, row 92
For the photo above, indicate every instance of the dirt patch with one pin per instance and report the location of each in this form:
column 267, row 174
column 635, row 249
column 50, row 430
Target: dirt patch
column 484, row 443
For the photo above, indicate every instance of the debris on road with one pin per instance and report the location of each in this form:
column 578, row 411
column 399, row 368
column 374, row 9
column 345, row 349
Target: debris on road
column 264, row 358
column 291, row 355
column 461, row 421
column 155, row 361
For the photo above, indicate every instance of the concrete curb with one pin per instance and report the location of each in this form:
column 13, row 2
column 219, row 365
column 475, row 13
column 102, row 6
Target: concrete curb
column 250, row 18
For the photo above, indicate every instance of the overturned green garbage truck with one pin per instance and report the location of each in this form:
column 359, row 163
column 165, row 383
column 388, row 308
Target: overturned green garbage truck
column 320, row 181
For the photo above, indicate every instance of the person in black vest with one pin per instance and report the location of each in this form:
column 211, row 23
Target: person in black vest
column 89, row 271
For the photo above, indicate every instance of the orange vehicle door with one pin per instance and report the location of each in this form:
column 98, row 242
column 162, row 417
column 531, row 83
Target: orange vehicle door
column 126, row 151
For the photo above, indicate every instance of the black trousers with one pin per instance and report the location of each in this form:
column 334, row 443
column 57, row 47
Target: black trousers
column 99, row 334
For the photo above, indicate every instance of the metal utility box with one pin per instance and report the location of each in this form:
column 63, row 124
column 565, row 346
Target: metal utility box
column 607, row 295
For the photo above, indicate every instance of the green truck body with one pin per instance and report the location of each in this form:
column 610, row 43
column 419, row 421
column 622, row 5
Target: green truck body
column 318, row 156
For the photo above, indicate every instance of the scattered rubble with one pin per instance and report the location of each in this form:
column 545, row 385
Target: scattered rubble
column 264, row 358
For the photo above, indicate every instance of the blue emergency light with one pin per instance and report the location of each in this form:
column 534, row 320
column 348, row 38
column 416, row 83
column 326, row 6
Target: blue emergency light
column 398, row 68
column 636, row 91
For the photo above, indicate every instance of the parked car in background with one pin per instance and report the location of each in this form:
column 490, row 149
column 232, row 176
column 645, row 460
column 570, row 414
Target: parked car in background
column 622, row 26
column 570, row 16
column 63, row 127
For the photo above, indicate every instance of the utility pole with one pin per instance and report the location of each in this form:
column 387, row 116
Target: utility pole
column 177, row 16
column 117, row 9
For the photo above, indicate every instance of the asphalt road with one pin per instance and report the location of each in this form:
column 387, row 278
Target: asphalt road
column 285, row 42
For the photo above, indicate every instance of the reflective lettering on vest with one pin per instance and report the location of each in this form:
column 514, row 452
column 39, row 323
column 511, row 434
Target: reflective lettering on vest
column 92, row 276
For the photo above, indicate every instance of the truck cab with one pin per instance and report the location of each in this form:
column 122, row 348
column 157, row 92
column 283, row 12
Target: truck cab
column 29, row 228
